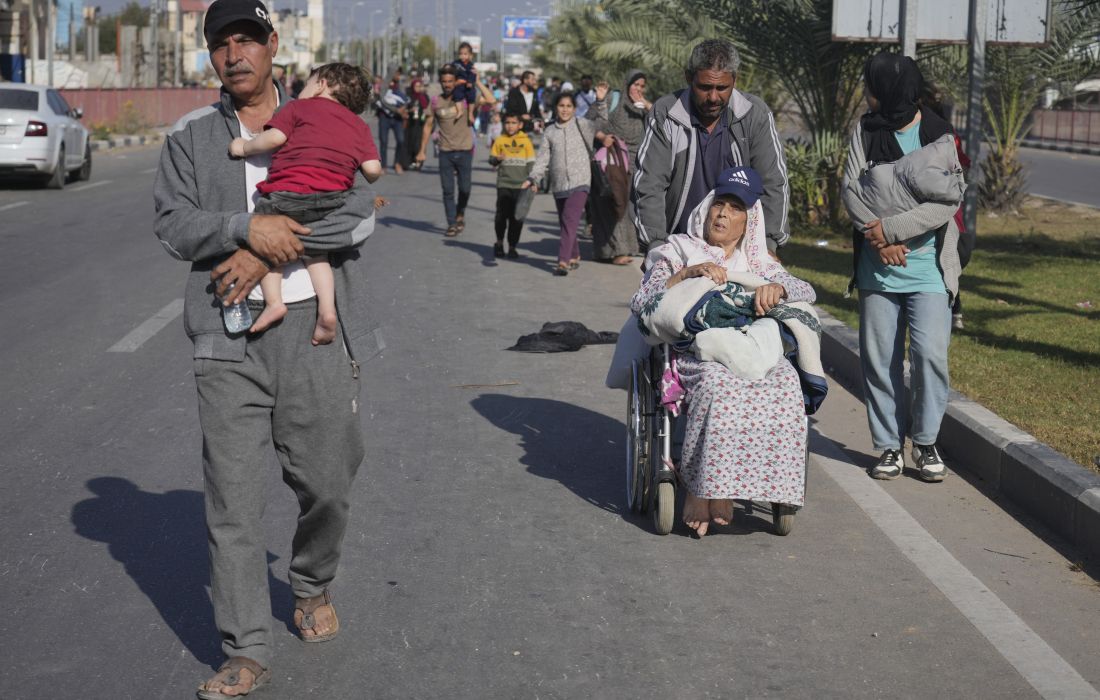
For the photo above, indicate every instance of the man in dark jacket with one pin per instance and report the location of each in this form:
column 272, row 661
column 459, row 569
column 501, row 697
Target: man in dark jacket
column 523, row 101
column 701, row 131
column 275, row 388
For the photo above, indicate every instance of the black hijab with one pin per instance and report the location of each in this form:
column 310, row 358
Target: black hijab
column 896, row 82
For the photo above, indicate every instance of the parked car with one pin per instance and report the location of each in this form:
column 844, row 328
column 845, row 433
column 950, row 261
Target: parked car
column 40, row 137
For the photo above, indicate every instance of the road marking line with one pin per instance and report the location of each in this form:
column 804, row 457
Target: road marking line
column 150, row 170
column 1047, row 672
column 13, row 205
column 90, row 185
column 137, row 337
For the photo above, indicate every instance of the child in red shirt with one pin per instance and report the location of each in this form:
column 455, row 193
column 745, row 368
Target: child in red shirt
column 321, row 142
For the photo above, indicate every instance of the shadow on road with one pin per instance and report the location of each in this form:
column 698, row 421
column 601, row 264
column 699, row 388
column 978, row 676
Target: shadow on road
column 397, row 222
column 160, row 539
column 579, row 448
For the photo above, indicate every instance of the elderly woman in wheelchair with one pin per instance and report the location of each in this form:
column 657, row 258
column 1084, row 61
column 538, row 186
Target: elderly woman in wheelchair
column 746, row 363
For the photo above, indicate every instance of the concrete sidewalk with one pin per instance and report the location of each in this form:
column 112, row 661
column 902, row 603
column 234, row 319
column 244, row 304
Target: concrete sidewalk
column 122, row 140
column 1046, row 484
column 1060, row 146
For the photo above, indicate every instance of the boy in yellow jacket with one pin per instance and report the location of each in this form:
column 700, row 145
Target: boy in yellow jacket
column 513, row 156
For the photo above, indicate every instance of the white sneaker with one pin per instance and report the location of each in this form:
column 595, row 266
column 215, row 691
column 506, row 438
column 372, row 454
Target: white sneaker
column 889, row 465
column 926, row 458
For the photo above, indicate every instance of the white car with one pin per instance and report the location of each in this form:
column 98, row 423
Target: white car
column 40, row 137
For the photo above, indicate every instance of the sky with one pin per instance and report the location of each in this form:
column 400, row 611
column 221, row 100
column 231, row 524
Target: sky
column 467, row 12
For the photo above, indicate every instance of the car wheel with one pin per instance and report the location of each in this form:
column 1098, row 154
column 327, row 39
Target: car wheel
column 85, row 170
column 57, row 180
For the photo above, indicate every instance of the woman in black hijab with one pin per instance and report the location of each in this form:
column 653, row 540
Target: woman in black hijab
column 906, row 269
column 894, row 85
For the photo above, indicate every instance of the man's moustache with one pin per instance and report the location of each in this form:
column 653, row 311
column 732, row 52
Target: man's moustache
column 237, row 71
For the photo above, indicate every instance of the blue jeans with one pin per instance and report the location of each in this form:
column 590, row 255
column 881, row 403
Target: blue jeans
column 883, row 319
column 452, row 164
column 385, row 125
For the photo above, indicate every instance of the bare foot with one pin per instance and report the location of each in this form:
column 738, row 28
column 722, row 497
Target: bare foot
column 325, row 330
column 696, row 513
column 272, row 314
column 721, row 510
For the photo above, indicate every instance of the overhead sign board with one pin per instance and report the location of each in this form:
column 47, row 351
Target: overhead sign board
column 942, row 21
column 522, row 29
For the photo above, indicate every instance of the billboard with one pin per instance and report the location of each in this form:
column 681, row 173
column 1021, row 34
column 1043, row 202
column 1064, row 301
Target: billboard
column 522, row 29
column 942, row 21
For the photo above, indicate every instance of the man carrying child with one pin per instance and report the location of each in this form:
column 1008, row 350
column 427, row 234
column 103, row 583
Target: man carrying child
column 321, row 142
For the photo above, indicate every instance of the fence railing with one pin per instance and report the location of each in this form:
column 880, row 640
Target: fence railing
column 1080, row 127
column 145, row 107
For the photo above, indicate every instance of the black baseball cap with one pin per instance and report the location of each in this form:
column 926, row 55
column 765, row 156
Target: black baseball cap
column 741, row 182
column 222, row 13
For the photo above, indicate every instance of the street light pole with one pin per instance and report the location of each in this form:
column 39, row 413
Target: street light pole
column 373, row 48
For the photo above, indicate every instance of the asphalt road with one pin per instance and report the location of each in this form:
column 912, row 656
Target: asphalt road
column 1070, row 177
column 488, row 555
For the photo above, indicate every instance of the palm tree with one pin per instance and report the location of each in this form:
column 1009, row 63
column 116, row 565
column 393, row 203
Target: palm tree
column 656, row 36
column 791, row 40
column 1016, row 77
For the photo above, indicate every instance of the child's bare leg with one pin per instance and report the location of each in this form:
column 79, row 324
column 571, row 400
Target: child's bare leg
column 320, row 273
column 274, row 308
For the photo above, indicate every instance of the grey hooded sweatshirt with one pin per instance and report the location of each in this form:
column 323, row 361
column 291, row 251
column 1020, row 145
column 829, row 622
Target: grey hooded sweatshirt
column 202, row 217
column 666, row 164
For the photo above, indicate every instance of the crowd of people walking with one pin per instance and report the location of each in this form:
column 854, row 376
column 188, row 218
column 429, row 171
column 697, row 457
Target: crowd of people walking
column 694, row 180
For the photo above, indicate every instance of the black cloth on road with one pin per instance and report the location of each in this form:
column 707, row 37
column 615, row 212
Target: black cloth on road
column 563, row 336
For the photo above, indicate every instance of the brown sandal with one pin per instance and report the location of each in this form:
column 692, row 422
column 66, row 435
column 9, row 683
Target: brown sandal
column 232, row 670
column 307, row 606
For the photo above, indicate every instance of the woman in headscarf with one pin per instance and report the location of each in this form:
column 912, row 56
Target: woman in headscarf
column 906, row 267
column 414, row 126
column 614, row 237
column 745, row 438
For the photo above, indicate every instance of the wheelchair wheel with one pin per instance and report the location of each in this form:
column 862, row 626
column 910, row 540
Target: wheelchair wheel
column 639, row 424
column 783, row 518
column 664, row 507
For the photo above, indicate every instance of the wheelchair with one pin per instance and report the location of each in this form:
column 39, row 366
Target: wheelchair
column 651, row 479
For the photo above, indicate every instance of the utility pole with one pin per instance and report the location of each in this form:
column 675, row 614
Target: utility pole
column 155, row 39
column 908, row 11
column 395, row 12
column 177, row 62
column 51, row 37
column 978, row 16
column 383, row 71
column 72, row 32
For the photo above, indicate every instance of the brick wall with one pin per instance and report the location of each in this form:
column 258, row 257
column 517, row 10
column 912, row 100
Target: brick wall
column 154, row 106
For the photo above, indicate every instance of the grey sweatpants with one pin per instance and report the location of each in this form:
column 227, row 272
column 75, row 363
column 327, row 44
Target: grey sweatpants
column 303, row 400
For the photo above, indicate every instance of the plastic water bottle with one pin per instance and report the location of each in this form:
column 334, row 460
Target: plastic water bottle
column 237, row 317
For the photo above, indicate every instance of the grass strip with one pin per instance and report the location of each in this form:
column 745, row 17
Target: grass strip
column 1030, row 349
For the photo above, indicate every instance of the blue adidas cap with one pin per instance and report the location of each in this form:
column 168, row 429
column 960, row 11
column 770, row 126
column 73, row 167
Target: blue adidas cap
column 741, row 182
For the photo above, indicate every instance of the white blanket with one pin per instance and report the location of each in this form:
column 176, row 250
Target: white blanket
column 748, row 352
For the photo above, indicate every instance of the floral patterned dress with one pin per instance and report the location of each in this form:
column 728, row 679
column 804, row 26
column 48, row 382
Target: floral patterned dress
column 744, row 439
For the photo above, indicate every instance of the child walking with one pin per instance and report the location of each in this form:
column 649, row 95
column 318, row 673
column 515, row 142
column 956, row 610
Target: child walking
column 321, row 142
column 513, row 156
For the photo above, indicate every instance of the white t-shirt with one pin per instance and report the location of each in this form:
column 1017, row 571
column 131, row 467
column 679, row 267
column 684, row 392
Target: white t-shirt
column 296, row 283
